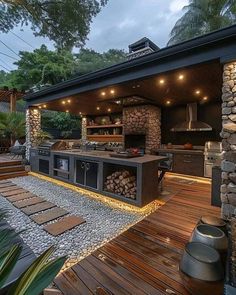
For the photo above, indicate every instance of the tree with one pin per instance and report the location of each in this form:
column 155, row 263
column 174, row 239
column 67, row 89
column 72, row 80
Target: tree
column 66, row 22
column 43, row 67
column 201, row 17
column 12, row 126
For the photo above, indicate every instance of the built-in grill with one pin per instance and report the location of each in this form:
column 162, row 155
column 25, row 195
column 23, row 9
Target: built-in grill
column 45, row 148
column 212, row 156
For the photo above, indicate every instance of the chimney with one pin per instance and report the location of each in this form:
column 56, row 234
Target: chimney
column 141, row 47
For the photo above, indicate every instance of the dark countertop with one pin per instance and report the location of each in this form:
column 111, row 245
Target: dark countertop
column 181, row 151
column 105, row 156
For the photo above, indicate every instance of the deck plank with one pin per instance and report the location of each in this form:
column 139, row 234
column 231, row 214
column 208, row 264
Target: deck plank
column 144, row 259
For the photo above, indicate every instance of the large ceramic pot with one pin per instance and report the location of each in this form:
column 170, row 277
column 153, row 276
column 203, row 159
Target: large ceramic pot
column 201, row 262
column 214, row 221
column 211, row 236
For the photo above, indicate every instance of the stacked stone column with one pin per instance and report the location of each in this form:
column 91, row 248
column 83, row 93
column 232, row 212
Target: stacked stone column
column 33, row 126
column 228, row 134
column 84, row 129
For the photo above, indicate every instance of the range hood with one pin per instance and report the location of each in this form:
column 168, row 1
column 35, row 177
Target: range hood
column 191, row 123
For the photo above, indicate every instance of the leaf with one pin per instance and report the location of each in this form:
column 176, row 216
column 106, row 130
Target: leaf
column 28, row 277
column 46, row 276
column 7, row 262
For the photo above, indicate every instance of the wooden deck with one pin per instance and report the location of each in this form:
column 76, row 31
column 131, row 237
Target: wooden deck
column 145, row 258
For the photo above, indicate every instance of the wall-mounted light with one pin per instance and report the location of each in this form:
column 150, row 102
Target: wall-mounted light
column 181, row 77
column 68, row 100
column 112, row 91
column 63, row 102
column 103, row 93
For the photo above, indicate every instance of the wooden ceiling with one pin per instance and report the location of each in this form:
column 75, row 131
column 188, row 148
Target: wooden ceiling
column 169, row 89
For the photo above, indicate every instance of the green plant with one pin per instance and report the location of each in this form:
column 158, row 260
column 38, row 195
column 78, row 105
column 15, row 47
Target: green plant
column 37, row 276
column 42, row 136
column 12, row 125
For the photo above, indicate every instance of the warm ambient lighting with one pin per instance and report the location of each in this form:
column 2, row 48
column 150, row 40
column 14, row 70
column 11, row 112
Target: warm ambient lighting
column 103, row 93
column 162, row 81
column 67, row 111
column 63, row 102
column 168, row 102
column 205, row 98
column 98, row 108
column 45, row 106
column 109, row 110
column 40, row 107
column 112, row 91
column 197, row 91
column 68, row 100
column 181, row 77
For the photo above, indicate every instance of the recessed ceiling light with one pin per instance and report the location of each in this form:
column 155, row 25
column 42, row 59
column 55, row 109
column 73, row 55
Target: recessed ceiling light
column 67, row 111
column 80, row 113
column 138, row 86
column 181, row 77
column 162, row 81
column 133, row 86
column 103, row 93
column 118, row 102
column 63, row 102
column 112, row 91
column 98, row 108
column 68, row 100
column 109, row 110
column 168, row 102
column 45, row 106
column 205, row 98
column 40, row 107
column 197, row 91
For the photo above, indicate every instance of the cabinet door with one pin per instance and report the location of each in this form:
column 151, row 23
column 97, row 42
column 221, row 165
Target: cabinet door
column 189, row 164
column 91, row 174
column 80, row 172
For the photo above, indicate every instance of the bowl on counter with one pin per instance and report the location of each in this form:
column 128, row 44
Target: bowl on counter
column 211, row 236
column 188, row 146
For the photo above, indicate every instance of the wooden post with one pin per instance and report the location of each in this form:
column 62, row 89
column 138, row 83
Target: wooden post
column 12, row 102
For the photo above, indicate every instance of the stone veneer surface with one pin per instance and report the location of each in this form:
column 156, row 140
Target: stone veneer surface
column 33, row 126
column 144, row 120
column 228, row 134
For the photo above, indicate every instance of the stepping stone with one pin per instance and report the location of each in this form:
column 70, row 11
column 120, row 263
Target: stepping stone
column 28, row 202
column 14, row 192
column 7, row 184
column 20, row 197
column 9, row 188
column 66, row 223
column 49, row 215
column 37, row 208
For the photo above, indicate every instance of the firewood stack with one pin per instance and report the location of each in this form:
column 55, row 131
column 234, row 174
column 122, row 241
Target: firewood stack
column 121, row 183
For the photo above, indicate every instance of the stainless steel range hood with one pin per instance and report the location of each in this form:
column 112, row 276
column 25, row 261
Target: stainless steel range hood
column 191, row 123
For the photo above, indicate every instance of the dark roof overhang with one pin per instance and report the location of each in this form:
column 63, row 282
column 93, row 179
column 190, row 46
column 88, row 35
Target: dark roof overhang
column 219, row 44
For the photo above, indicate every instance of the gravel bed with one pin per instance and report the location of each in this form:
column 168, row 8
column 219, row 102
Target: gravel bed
column 103, row 222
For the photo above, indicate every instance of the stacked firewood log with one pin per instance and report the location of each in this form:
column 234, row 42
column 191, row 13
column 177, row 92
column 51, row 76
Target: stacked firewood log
column 121, row 183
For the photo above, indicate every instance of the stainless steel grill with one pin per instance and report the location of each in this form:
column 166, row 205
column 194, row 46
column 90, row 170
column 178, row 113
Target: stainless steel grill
column 212, row 156
column 45, row 148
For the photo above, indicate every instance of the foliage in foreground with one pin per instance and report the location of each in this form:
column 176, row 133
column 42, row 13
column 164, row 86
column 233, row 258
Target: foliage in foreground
column 37, row 276
column 202, row 17
column 66, row 22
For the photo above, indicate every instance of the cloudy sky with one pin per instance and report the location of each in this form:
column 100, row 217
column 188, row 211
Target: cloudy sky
column 119, row 24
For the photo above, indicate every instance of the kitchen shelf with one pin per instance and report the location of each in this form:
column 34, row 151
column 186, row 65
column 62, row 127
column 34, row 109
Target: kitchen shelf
column 61, row 170
column 105, row 126
column 105, row 138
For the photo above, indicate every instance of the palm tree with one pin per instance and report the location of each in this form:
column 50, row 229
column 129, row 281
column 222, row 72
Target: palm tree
column 201, row 17
column 12, row 125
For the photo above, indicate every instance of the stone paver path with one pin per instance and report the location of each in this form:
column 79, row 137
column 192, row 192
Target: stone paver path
column 66, row 223
column 49, row 215
column 39, row 210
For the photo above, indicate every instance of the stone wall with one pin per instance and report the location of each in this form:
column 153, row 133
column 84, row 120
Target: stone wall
column 33, row 126
column 144, row 120
column 228, row 134
column 84, row 129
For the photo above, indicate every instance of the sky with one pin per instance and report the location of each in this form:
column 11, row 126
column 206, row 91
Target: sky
column 120, row 23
